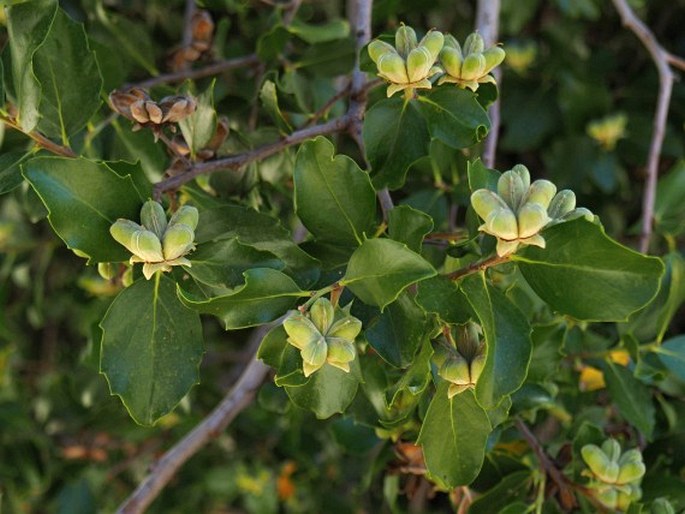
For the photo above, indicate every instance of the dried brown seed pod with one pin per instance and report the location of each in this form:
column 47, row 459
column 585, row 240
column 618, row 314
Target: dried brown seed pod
column 121, row 101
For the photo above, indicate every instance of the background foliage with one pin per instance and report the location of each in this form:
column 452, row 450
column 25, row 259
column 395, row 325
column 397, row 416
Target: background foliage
column 67, row 446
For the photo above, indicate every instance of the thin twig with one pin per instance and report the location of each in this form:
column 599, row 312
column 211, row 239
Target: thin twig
column 197, row 73
column 321, row 112
column 233, row 403
column 477, row 266
column 676, row 62
column 487, row 22
column 661, row 59
column 188, row 28
column 40, row 139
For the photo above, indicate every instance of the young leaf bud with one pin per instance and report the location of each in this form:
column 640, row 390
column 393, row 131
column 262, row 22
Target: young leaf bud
column 474, row 44
column 146, row 245
column 177, row 241
column 562, row 203
column 153, row 217
column 541, row 192
column 377, row 48
column 405, row 40
column 473, row 67
column 532, row 217
column 186, row 215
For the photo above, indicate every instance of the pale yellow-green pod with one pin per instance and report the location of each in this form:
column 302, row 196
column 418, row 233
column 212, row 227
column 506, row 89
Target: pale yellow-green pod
column 502, row 224
column 522, row 172
column 322, row 314
column 347, row 328
column 630, row 472
column 595, row 458
column 612, row 449
column 579, row 212
column 451, row 42
column 511, row 189
column 476, row 367
column 377, row 48
column 392, row 67
column 405, row 40
column 661, row 506
column 433, row 42
column 474, row 44
column 455, row 369
column 562, row 203
column 301, row 331
column 625, row 498
column 493, row 58
column 485, row 202
column 178, row 241
column 316, row 352
column 473, row 67
column 419, row 63
column 452, row 60
column 532, row 217
column 186, row 215
column 541, row 192
column 123, row 230
column 147, row 246
column 340, row 353
column 107, row 270
column 607, row 496
column 153, row 217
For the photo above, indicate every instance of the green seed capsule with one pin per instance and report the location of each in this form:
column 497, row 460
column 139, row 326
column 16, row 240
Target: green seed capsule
column 377, row 48
column 624, row 498
column 405, row 40
column 392, row 68
column 177, row 241
column 612, row 449
column 340, row 352
column 419, row 63
column 502, row 224
column 322, row 314
column 301, row 331
column 315, row 353
column 107, row 270
column 474, row 44
column 452, row 60
column 451, row 42
column 607, row 496
column 541, row 192
column 347, row 328
column 484, row 202
column 493, row 58
column 153, row 217
column 473, row 67
column 123, row 230
column 595, row 458
column 579, row 212
column 511, row 189
column 630, row 472
column 186, row 215
column 455, row 369
column 146, row 245
column 433, row 42
column 562, row 203
column 532, row 217
column 522, row 172
column 476, row 367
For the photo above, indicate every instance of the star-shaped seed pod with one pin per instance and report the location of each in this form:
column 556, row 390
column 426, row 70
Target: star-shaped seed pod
column 136, row 105
column 324, row 335
column 470, row 65
column 409, row 64
column 461, row 373
column 157, row 243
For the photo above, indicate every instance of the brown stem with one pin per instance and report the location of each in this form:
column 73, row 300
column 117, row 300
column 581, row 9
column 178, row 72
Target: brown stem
column 40, row 139
column 478, row 266
column 661, row 59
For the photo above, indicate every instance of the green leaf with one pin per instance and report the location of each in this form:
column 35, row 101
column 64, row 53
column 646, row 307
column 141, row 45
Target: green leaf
column 28, row 25
column 507, row 335
column 380, row 269
column 395, row 136
column 84, row 198
column 312, row 34
column 69, row 77
column 398, row 333
column 328, row 391
column 269, row 98
column 333, row 197
column 453, row 436
column 587, row 275
column 669, row 210
column 454, row 116
column 10, row 169
column 409, row 226
column 199, row 127
column 510, row 489
column 266, row 295
column 441, row 296
column 222, row 263
column 481, row 177
column 275, row 351
column 139, row 146
column 633, row 398
column 672, row 354
column 151, row 348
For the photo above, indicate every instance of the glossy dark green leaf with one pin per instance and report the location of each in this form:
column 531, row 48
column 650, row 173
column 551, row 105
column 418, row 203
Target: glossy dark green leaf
column 333, row 197
column 409, row 226
column 265, row 295
column 139, row 146
column 84, row 198
column 548, row 341
column 669, row 210
column 222, row 263
column 28, row 25
column 481, row 177
column 70, row 79
column 507, row 335
column 633, row 398
column 395, row 135
column 672, row 354
column 512, row 488
column 151, row 348
column 269, row 98
column 380, row 269
column 199, row 127
column 453, row 436
column 399, row 331
column 441, row 296
column 587, row 275
column 275, row 351
column 328, row 391
column 10, row 169
column 131, row 37
column 454, row 116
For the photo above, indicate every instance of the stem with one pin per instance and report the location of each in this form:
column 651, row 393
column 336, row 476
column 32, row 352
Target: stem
column 478, row 266
column 318, row 294
column 40, row 139
column 661, row 59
